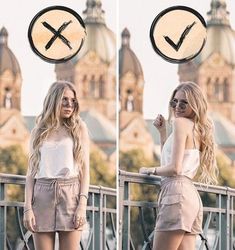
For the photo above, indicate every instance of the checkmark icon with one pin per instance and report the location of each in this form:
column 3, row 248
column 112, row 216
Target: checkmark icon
column 182, row 37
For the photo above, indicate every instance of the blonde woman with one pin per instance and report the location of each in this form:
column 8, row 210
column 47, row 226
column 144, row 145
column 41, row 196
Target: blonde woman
column 187, row 150
column 57, row 180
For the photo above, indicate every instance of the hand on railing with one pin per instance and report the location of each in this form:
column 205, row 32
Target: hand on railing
column 147, row 171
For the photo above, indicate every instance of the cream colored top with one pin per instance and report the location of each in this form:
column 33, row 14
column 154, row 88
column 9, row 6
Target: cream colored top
column 57, row 159
column 191, row 159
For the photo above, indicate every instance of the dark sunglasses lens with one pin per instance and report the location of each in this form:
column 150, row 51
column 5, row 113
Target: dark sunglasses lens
column 173, row 104
column 66, row 103
column 182, row 105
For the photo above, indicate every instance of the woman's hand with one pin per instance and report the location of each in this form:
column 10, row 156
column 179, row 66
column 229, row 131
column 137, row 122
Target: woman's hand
column 160, row 123
column 147, row 170
column 29, row 220
column 80, row 216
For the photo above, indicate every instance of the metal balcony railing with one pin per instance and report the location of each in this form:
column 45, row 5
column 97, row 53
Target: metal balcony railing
column 101, row 216
column 137, row 217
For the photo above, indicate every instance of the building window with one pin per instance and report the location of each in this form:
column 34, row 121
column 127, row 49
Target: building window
column 208, row 89
column 226, row 90
column 84, row 79
column 8, row 98
column 135, row 134
column 129, row 101
column 92, row 86
column 101, row 87
column 218, row 91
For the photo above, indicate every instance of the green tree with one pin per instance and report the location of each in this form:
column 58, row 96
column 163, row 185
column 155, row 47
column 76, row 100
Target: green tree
column 13, row 161
column 100, row 174
column 133, row 160
column 226, row 172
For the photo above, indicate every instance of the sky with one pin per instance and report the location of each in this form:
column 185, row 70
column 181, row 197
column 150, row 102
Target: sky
column 137, row 15
column 37, row 74
column 160, row 76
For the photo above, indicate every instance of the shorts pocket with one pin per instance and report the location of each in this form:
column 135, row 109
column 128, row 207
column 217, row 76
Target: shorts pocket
column 171, row 199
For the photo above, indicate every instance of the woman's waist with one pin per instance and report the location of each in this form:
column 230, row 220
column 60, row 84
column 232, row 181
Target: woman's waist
column 61, row 181
column 176, row 178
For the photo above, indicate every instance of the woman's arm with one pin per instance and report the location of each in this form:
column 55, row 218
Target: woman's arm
column 163, row 137
column 29, row 219
column 85, row 181
column 180, row 128
column 29, row 185
column 80, row 214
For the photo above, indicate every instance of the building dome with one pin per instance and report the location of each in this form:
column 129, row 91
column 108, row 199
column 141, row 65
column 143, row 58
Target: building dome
column 8, row 60
column 128, row 61
column 99, row 38
column 220, row 36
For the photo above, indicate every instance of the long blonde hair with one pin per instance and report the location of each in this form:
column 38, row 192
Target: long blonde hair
column 208, row 171
column 49, row 120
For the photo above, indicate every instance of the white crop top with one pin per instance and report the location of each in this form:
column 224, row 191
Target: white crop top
column 191, row 160
column 57, row 159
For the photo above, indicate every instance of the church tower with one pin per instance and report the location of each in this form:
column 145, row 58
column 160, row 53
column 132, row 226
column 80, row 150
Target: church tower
column 93, row 69
column 133, row 131
column 131, row 77
column 213, row 69
column 13, row 129
column 10, row 76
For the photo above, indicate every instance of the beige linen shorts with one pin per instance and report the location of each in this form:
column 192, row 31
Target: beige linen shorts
column 54, row 203
column 179, row 206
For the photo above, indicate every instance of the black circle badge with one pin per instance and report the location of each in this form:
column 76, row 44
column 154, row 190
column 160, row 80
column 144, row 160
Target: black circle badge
column 56, row 34
column 178, row 34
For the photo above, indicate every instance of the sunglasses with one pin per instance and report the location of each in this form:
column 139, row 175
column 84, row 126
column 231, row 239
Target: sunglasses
column 66, row 102
column 182, row 104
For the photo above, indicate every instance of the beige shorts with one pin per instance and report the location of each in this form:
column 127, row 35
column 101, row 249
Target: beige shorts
column 54, row 203
column 179, row 206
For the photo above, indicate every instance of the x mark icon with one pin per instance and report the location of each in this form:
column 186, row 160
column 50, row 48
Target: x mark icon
column 57, row 34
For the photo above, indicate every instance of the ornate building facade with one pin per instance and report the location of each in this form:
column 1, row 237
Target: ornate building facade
column 93, row 70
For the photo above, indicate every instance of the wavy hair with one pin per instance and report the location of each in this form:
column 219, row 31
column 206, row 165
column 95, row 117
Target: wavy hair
column 208, row 171
column 49, row 120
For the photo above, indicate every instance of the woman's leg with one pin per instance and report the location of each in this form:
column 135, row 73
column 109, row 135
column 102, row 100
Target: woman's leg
column 188, row 242
column 69, row 240
column 169, row 240
column 44, row 241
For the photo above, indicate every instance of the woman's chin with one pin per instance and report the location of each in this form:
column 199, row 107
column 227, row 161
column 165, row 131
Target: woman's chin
column 66, row 116
column 179, row 114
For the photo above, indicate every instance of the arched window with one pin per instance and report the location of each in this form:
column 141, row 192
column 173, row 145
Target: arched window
column 217, row 94
column 92, row 86
column 208, row 89
column 129, row 101
column 226, row 90
column 8, row 98
column 101, row 87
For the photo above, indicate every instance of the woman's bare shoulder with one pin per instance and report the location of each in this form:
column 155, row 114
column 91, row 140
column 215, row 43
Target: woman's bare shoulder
column 182, row 120
column 183, row 123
